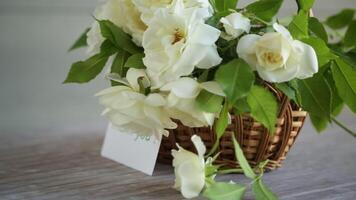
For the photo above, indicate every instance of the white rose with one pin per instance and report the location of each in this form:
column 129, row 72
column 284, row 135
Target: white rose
column 181, row 101
column 149, row 7
column 277, row 57
column 235, row 24
column 189, row 169
column 122, row 13
column 176, row 41
column 135, row 112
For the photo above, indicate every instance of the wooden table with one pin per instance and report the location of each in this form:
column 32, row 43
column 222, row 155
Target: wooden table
column 67, row 165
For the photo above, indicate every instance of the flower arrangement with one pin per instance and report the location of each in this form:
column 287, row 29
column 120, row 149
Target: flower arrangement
column 198, row 61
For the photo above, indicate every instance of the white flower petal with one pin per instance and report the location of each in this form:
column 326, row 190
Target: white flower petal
column 192, row 179
column 235, row 24
column 282, row 30
column 191, row 57
column 308, row 61
column 112, row 90
column 155, row 100
column 204, row 34
column 94, row 39
column 117, row 78
column 189, row 169
column 279, row 75
column 186, row 111
column 210, row 59
column 199, row 145
column 124, row 14
column 182, row 155
column 132, row 76
column 209, row 118
column 246, row 48
column 116, row 117
column 184, row 87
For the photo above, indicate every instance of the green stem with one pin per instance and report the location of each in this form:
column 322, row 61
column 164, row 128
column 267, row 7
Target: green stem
column 260, row 20
column 209, row 182
column 213, row 149
column 343, row 127
column 229, row 171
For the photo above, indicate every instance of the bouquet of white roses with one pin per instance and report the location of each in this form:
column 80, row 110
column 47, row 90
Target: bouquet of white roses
column 196, row 60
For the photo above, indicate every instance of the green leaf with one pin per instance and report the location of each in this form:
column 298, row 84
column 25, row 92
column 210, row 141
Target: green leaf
column 213, row 4
column 321, row 49
column 235, row 78
column 118, row 37
column 265, row 9
column 210, row 169
column 225, row 191
column 345, row 81
column 135, row 61
column 85, row 71
column 215, row 19
column 299, row 25
column 220, row 126
column 317, row 29
column 294, row 84
column 222, row 121
column 341, row 20
column 336, row 102
column 203, row 77
column 349, row 58
column 81, row 41
column 224, row 5
column 241, row 106
column 315, row 95
column 287, row 90
column 319, row 123
column 118, row 65
column 350, row 36
column 262, row 192
column 306, row 4
column 209, row 102
column 107, row 48
column 263, row 106
column 240, row 157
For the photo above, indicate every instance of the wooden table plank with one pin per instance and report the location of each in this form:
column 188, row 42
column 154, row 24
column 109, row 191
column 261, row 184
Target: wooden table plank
column 69, row 166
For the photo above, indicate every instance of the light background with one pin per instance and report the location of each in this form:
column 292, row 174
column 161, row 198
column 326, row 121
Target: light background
column 34, row 38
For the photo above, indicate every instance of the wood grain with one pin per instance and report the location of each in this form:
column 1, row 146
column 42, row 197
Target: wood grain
column 68, row 166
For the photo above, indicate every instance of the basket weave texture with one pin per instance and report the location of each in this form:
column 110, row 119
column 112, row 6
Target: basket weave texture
column 257, row 143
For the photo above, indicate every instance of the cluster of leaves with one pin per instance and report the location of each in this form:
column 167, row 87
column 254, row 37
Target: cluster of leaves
column 235, row 191
column 244, row 92
column 323, row 95
column 118, row 43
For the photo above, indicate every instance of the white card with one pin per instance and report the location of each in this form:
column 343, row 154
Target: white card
column 137, row 152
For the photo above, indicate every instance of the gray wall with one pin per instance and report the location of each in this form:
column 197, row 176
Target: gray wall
column 34, row 38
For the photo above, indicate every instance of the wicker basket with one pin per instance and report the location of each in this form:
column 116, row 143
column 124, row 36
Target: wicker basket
column 258, row 145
